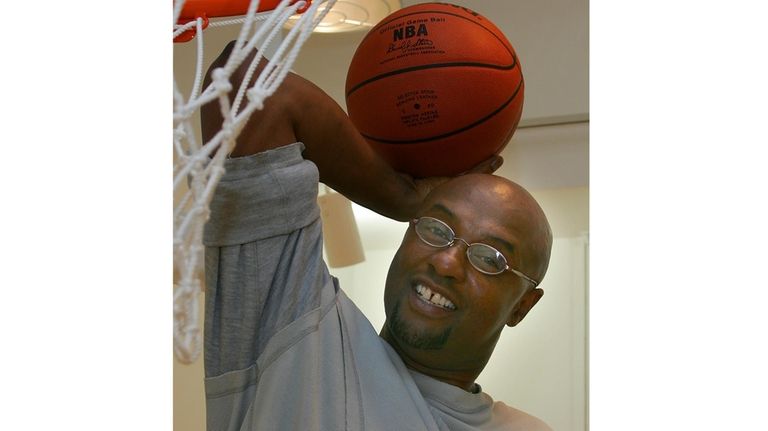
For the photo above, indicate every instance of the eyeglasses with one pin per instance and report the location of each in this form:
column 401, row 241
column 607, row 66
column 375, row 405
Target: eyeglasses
column 483, row 257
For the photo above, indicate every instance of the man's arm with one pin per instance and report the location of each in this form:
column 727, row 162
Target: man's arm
column 301, row 111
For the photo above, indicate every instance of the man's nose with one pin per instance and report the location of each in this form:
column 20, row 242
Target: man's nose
column 451, row 261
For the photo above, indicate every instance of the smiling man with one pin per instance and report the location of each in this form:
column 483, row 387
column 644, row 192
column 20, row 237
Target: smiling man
column 460, row 276
column 286, row 349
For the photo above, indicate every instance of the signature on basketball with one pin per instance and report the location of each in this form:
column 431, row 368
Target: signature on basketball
column 408, row 44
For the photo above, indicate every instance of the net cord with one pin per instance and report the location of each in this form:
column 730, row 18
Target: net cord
column 198, row 165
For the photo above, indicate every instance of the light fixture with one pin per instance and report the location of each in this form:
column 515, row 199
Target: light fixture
column 341, row 238
column 352, row 15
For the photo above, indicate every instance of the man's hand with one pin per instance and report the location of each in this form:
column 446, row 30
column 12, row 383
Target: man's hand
column 423, row 186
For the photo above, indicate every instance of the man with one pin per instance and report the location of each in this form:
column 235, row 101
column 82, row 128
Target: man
column 285, row 349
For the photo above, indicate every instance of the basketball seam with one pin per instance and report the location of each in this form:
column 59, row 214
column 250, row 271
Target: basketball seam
column 431, row 66
column 454, row 132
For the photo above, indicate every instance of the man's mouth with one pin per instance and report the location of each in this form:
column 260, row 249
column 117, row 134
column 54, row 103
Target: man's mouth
column 427, row 295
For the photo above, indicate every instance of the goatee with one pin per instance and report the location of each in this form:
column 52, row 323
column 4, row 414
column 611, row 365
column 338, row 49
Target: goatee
column 406, row 334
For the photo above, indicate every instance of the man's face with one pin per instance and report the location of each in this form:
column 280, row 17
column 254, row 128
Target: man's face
column 465, row 320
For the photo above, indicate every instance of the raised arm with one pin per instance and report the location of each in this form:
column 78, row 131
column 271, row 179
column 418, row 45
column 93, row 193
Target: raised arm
column 300, row 111
column 346, row 162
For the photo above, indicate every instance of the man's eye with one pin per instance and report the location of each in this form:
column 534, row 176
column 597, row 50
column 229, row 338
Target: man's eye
column 441, row 232
column 489, row 261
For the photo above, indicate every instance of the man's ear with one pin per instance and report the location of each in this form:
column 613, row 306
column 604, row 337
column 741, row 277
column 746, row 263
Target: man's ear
column 527, row 302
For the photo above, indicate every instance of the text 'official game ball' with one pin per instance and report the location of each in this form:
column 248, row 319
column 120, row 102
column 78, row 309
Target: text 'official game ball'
column 435, row 88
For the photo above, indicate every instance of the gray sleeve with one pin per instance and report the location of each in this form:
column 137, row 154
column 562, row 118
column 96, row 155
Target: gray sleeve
column 264, row 266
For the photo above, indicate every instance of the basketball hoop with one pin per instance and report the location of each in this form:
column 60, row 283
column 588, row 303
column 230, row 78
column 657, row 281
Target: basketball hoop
column 194, row 9
column 198, row 166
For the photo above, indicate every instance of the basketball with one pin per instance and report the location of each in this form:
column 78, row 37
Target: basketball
column 435, row 89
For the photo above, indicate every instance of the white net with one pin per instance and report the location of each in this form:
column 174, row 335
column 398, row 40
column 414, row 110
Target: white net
column 198, row 166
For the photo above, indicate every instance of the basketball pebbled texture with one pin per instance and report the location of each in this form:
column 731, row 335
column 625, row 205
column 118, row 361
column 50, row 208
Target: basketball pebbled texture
column 435, row 89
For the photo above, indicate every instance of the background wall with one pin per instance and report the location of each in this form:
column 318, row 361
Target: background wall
column 541, row 365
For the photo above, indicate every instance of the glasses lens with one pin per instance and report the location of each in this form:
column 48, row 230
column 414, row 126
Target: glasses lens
column 434, row 232
column 486, row 259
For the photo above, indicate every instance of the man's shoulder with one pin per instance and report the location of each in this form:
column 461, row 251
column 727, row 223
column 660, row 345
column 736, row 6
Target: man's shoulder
column 518, row 420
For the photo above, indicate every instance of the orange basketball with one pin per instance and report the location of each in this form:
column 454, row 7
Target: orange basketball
column 435, row 89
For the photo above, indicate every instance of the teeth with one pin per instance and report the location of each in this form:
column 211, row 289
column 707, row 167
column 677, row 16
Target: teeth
column 434, row 298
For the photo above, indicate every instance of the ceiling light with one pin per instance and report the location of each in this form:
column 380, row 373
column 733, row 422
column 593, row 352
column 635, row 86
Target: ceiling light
column 352, row 15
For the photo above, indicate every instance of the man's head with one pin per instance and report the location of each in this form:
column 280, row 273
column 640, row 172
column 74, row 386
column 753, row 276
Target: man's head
column 457, row 330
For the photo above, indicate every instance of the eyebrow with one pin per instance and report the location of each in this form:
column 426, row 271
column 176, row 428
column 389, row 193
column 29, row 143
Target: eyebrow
column 444, row 209
column 504, row 243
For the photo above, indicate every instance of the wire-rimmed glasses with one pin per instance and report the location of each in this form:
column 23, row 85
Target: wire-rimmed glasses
column 483, row 257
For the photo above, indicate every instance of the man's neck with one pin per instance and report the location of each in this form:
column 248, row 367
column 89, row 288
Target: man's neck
column 433, row 363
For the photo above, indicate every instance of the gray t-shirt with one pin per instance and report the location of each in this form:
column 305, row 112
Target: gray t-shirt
column 285, row 348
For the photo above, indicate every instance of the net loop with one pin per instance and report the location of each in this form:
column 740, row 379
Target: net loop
column 221, row 81
column 256, row 96
column 188, row 28
column 198, row 166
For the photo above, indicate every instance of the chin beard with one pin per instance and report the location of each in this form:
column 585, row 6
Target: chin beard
column 406, row 334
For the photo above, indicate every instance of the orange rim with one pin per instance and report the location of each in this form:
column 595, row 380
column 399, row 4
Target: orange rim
column 194, row 9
